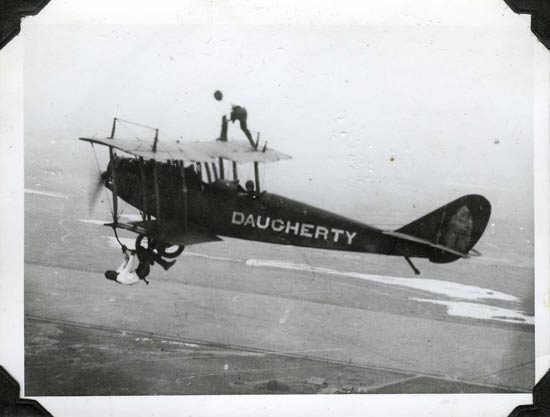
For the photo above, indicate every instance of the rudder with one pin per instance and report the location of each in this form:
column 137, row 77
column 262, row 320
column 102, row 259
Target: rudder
column 457, row 225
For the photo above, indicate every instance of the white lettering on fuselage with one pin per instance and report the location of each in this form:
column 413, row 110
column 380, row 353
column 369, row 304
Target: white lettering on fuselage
column 308, row 230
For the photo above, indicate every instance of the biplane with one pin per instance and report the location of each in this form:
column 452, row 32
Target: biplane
column 190, row 193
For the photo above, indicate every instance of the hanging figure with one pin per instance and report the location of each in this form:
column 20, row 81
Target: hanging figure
column 125, row 259
column 237, row 113
column 145, row 260
column 147, row 257
column 126, row 272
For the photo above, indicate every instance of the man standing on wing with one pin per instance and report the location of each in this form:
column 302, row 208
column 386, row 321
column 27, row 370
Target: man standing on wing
column 237, row 113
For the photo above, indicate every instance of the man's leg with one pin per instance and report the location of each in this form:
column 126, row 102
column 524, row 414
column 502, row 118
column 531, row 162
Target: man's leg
column 163, row 262
column 223, row 133
column 144, row 269
column 244, row 128
column 145, row 258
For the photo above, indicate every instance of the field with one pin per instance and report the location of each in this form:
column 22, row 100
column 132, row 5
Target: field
column 238, row 317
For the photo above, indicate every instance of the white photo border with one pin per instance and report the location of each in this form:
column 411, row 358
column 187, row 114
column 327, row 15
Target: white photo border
column 395, row 12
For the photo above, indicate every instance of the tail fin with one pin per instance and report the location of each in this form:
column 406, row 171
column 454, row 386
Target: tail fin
column 457, row 226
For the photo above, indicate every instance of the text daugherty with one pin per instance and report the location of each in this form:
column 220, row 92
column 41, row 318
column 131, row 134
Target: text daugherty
column 292, row 227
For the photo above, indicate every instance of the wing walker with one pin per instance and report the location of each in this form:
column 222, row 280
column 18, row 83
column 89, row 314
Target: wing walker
column 190, row 193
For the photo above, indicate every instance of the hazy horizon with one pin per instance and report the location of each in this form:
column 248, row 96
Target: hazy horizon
column 451, row 106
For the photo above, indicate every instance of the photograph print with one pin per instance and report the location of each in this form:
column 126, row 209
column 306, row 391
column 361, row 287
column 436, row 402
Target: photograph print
column 263, row 209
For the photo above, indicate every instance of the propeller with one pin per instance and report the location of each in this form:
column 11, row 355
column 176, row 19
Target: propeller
column 96, row 187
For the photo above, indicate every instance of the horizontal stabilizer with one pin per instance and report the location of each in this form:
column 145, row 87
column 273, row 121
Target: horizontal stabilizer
column 427, row 242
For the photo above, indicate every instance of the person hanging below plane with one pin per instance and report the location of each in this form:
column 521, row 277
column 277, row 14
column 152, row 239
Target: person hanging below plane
column 148, row 257
column 145, row 261
column 238, row 113
column 126, row 272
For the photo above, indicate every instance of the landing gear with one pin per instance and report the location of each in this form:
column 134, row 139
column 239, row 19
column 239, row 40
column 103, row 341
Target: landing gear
column 161, row 249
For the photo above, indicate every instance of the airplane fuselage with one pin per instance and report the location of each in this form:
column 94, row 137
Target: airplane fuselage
column 224, row 209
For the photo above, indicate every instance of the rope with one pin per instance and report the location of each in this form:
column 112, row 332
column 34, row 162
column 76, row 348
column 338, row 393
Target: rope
column 133, row 132
column 116, row 236
column 263, row 178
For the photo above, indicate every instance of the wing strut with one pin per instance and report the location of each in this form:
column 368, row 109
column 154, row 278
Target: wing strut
column 208, row 174
column 157, row 192
column 222, row 174
column 257, row 177
column 143, row 187
column 184, row 191
column 156, row 176
column 215, row 171
column 113, row 176
column 156, row 140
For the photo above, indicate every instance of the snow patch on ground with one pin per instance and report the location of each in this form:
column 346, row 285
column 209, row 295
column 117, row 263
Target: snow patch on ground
column 93, row 221
column 435, row 286
column 481, row 311
column 45, row 193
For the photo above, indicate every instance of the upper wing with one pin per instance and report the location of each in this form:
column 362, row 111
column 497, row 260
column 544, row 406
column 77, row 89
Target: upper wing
column 192, row 151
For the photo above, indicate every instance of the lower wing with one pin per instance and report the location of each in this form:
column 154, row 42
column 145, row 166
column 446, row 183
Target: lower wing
column 168, row 232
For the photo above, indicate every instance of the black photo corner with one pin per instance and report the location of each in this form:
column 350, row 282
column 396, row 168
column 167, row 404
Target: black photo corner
column 11, row 14
column 11, row 405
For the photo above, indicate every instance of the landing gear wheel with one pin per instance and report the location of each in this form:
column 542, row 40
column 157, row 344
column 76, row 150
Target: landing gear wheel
column 139, row 239
column 171, row 255
column 160, row 248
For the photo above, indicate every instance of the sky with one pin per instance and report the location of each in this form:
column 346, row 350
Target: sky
column 379, row 121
